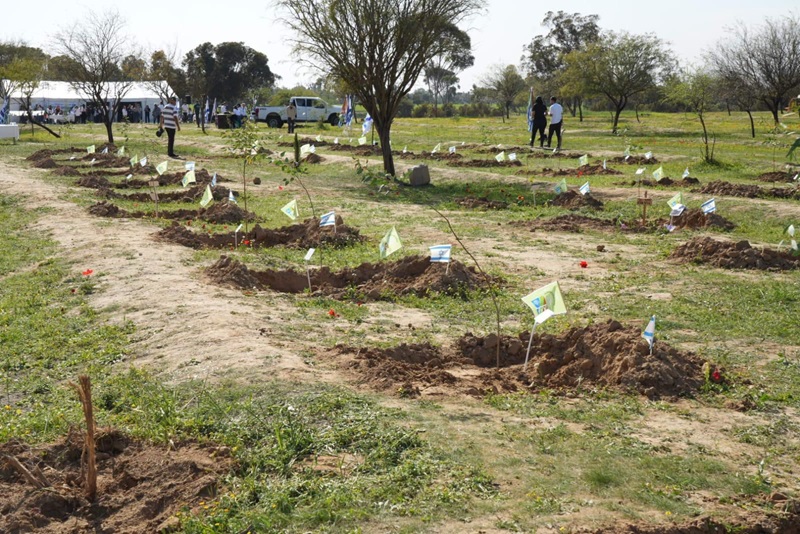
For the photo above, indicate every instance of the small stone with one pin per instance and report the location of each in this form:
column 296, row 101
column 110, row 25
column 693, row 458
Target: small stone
column 419, row 175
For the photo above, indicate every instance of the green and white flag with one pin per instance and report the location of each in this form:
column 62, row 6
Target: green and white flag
column 501, row 157
column 583, row 160
column 143, row 161
column 290, row 210
column 188, row 178
column 162, row 167
column 561, row 187
column 437, row 148
column 121, row 151
column 90, row 149
column 546, row 302
column 676, row 201
column 207, row 196
column 390, row 243
column 362, row 140
column 658, row 174
column 134, row 160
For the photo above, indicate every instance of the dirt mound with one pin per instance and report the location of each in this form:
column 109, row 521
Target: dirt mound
column 719, row 187
column 783, row 520
column 305, row 235
column 94, row 182
column 410, row 275
column 45, row 163
column 585, row 170
column 573, row 200
column 66, row 170
column 223, row 212
column 497, row 149
column 313, row 158
column 776, row 176
column 139, row 486
column 694, row 218
column 569, row 223
column 107, row 209
column 634, row 160
column 605, row 355
column 730, row 255
column 482, row 163
column 664, row 182
column 484, row 203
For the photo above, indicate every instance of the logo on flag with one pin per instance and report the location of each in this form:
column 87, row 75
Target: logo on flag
column 584, row 189
column 328, row 219
column 676, row 201
column 650, row 332
column 390, row 243
column 291, row 210
column 188, row 178
column 440, row 253
column 658, row 174
column 709, row 206
column 501, row 157
column 561, row 187
column 583, row 160
column 161, row 168
column 546, row 302
column 207, row 197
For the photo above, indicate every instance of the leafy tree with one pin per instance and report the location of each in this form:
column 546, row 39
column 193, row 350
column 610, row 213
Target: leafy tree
column 60, row 67
column 229, row 72
column 96, row 49
column 543, row 58
column 696, row 91
column 16, row 57
column 742, row 94
column 767, row 60
column 379, row 48
column 441, row 72
column 165, row 77
column 619, row 66
column 504, row 83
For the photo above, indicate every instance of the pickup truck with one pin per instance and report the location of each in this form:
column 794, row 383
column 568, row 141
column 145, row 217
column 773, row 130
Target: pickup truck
column 309, row 109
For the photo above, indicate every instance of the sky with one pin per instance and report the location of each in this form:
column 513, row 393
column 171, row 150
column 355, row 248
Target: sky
column 498, row 34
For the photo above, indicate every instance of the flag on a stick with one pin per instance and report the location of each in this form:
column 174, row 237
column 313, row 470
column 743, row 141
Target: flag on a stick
column 561, row 187
column 584, row 189
column 188, row 178
column 231, row 198
column 162, row 167
column 290, row 210
column 90, row 149
column 530, row 111
column 546, row 302
column 189, row 165
column 207, row 197
column 501, row 157
column 583, row 160
column 658, row 174
column 390, row 243
column 650, row 332
column 676, row 201
column 709, row 206
column 328, row 219
column 440, row 253
column 143, row 161
column 214, row 180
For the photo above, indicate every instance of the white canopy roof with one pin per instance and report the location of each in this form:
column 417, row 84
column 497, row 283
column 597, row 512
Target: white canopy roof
column 63, row 94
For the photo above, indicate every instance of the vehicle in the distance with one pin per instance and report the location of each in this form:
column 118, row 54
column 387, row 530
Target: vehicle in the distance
column 309, row 109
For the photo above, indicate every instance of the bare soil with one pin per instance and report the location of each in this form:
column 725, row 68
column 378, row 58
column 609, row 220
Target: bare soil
column 481, row 203
column 139, row 486
column 573, row 200
column 730, row 255
column 748, row 191
column 776, row 176
column 223, row 212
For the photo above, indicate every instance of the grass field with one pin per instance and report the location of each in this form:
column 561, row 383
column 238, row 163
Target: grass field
column 535, row 461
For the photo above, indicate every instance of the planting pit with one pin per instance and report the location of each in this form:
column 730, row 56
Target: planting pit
column 481, row 203
column 748, row 191
column 140, row 487
column 776, row 176
column 304, row 235
column 738, row 255
column 695, row 219
column 369, row 281
column 573, row 200
column 482, row 163
column 223, row 212
column 605, row 355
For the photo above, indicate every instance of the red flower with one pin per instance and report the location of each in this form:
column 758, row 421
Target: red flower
column 580, row 173
column 87, row 272
column 332, row 313
column 73, row 290
column 246, row 242
column 583, row 264
column 280, row 188
column 716, row 376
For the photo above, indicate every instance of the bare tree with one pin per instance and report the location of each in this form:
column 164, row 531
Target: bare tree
column 97, row 48
column 379, row 48
column 696, row 91
column 505, row 84
column 767, row 60
column 619, row 66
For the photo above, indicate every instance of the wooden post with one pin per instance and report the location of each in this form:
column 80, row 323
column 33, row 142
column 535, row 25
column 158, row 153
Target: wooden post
column 644, row 202
column 85, row 393
column 154, row 193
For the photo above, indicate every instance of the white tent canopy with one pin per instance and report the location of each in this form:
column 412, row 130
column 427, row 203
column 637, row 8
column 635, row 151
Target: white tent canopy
column 64, row 95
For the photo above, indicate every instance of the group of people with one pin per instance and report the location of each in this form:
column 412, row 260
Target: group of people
column 540, row 113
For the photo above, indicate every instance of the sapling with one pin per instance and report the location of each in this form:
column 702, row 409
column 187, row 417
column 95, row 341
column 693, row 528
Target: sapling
column 244, row 142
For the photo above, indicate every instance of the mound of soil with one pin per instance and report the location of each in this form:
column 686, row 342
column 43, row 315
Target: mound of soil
column 484, row 203
column 66, row 170
column 190, row 194
column 223, row 212
column 573, row 200
column 482, row 163
column 776, row 176
column 634, row 160
column 313, row 158
column 664, row 182
column 569, row 223
column 694, row 218
column 139, row 486
column 48, row 153
column 747, row 191
column 497, row 149
column 305, row 235
column 409, row 275
column 584, row 170
column 606, row 355
column 730, row 255
column 107, row 209
column 94, row 182
column 45, row 163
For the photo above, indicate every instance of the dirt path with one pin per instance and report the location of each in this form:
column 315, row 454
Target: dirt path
column 184, row 327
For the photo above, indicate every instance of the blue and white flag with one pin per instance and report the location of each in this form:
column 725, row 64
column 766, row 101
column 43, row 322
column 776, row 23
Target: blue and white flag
column 231, row 198
column 709, row 206
column 440, row 253
column 214, row 180
column 584, row 189
column 189, row 165
column 328, row 219
column 530, row 111
column 685, row 173
column 649, row 333
column 366, row 126
column 4, row 111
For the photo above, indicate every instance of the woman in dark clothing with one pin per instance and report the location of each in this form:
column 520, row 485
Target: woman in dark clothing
column 539, row 121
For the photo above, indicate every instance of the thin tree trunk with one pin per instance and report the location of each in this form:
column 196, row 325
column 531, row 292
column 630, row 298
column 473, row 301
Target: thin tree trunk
column 707, row 156
column 386, row 149
column 109, row 130
column 752, row 124
column 41, row 125
column 617, row 113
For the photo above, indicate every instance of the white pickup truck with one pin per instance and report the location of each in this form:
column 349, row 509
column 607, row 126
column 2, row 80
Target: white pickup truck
column 309, row 109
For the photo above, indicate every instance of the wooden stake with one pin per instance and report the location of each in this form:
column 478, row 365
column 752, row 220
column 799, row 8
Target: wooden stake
column 85, row 394
column 36, row 482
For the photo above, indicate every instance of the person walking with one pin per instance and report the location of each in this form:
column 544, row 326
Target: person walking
column 170, row 121
column 539, row 121
column 291, row 115
column 556, row 113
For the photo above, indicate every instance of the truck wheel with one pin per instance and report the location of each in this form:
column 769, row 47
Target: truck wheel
column 274, row 122
column 333, row 120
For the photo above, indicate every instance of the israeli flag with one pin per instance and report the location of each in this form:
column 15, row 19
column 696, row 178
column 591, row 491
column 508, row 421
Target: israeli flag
column 231, row 198
column 649, row 333
column 452, row 149
column 328, row 219
column 143, row 161
column 648, row 155
column 440, row 253
column 686, row 173
column 677, row 211
column 214, row 180
column 189, row 165
column 709, row 206
column 584, row 189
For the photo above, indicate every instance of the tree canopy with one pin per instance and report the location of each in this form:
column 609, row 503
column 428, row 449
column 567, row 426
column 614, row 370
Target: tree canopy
column 229, row 71
column 379, row 48
column 504, row 83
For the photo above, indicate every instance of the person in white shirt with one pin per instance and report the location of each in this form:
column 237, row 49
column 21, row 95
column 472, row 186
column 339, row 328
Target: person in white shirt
column 556, row 113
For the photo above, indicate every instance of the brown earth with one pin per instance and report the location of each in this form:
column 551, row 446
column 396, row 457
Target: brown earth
column 305, row 235
column 223, row 212
column 664, row 182
column 719, row 187
column 573, row 200
column 695, row 219
column 139, row 486
column 484, row 163
column 369, row 281
column 634, row 160
column 583, row 170
column 776, row 176
column 569, row 223
column 730, row 255
column 483, row 202
column 604, row 355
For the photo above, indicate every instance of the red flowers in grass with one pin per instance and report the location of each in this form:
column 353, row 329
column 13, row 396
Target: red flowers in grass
column 280, row 188
column 583, row 264
column 87, row 272
column 246, row 242
column 716, row 376
column 332, row 313
column 189, row 222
